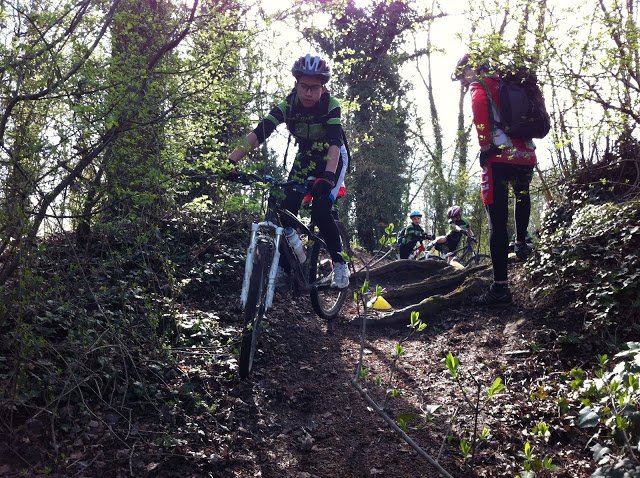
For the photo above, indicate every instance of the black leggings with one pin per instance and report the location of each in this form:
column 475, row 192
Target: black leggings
column 498, row 212
column 407, row 249
column 322, row 217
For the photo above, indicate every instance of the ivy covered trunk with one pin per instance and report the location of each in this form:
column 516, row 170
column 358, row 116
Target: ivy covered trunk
column 135, row 167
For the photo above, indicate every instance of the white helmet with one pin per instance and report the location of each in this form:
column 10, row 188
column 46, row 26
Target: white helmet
column 454, row 211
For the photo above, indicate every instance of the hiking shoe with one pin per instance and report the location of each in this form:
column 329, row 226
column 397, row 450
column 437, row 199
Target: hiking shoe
column 522, row 250
column 496, row 295
column 340, row 275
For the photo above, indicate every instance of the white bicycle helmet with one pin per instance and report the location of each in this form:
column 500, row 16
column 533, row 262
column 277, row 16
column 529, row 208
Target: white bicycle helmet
column 311, row 66
column 454, row 211
column 415, row 213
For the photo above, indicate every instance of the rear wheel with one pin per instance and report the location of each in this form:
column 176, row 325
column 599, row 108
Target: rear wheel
column 478, row 260
column 254, row 308
column 326, row 301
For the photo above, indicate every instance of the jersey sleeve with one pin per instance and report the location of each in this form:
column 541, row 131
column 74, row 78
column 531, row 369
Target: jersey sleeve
column 270, row 122
column 334, row 123
column 480, row 108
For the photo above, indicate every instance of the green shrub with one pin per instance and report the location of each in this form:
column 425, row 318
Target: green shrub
column 588, row 259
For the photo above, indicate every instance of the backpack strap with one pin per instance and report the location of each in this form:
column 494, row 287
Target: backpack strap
column 286, row 151
column 292, row 102
column 493, row 111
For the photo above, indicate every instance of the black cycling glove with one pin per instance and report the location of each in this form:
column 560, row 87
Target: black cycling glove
column 484, row 155
column 323, row 185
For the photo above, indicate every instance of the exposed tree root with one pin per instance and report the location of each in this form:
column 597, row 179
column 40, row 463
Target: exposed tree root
column 427, row 287
column 433, row 305
column 442, row 283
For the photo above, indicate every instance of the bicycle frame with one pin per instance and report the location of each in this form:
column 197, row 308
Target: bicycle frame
column 468, row 247
column 270, row 230
column 421, row 253
column 261, row 267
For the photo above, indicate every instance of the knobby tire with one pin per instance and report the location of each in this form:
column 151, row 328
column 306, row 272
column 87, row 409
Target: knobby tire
column 326, row 301
column 255, row 307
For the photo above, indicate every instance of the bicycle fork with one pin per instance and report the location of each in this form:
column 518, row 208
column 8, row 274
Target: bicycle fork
column 273, row 270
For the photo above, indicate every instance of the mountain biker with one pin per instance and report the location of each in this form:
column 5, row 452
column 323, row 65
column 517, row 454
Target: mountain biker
column 504, row 160
column 460, row 227
column 412, row 234
column 312, row 116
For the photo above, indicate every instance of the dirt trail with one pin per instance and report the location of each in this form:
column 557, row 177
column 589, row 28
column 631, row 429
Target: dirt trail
column 299, row 415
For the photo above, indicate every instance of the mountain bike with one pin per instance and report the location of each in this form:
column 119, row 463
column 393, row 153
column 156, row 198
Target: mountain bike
column 466, row 255
column 313, row 276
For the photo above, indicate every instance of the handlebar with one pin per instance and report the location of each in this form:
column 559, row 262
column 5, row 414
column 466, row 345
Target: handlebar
column 465, row 232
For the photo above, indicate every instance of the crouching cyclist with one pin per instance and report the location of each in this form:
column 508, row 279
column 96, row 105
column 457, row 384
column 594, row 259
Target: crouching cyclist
column 312, row 116
column 410, row 236
column 460, row 227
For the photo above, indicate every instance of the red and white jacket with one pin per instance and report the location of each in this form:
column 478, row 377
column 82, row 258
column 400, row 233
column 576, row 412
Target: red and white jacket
column 514, row 150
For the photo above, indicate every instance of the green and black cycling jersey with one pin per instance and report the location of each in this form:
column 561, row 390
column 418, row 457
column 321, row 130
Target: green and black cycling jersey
column 315, row 129
column 412, row 234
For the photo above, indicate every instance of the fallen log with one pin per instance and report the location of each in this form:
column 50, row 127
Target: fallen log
column 475, row 281
column 440, row 284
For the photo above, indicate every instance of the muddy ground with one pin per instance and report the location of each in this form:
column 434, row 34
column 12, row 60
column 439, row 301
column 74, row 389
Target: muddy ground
column 300, row 415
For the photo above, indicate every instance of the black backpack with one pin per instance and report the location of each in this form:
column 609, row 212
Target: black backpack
column 522, row 111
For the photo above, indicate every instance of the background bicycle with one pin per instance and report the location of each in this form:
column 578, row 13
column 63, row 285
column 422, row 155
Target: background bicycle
column 306, row 253
column 467, row 255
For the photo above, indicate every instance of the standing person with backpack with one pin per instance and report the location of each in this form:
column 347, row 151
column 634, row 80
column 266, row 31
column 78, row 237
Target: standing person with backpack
column 312, row 116
column 504, row 159
column 409, row 237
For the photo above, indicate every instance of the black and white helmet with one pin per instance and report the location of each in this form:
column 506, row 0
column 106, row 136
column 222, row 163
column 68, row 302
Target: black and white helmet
column 311, row 66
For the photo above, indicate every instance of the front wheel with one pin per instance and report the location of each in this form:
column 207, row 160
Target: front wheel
column 434, row 257
column 478, row 260
column 254, row 308
column 326, row 301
